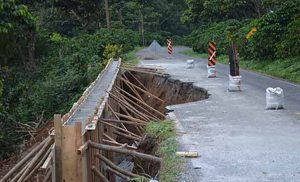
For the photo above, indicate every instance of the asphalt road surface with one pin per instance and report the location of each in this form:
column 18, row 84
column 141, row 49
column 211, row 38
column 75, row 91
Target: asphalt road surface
column 238, row 139
column 258, row 82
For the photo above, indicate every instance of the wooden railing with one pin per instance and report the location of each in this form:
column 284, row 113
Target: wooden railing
column 84, row 150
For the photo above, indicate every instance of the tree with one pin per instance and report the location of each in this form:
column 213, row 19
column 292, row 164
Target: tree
column 17, row 27
column 148, row 16
column 136, row 15
column 107, row 14
column 193, row 13
column 78, row 15
column 218, row 10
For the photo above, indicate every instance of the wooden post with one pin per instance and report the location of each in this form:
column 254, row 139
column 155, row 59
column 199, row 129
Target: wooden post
column 39, row 178
column 99, row 174
column 87, row 158
column 58, row 144
column 233, row 60
column 122, row 150
column 110, row 130
column 71, row 161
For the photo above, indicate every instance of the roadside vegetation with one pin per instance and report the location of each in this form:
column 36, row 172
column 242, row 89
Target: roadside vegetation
column 266, row 33
column 130, row 57
column 50, row 51
column 287, row 69
column 164, row 132
column 220, row 58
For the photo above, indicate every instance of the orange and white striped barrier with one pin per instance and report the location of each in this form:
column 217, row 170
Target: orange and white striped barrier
column 212, row 53
column 211, row 65
column 170, row 46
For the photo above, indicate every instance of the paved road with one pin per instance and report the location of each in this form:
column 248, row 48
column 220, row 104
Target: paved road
column 237, row 139
column 258, row 82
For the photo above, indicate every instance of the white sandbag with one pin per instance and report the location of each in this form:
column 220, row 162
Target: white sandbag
column 211, row 71
column 274, row 98
column 190, row 63
column 234, row 83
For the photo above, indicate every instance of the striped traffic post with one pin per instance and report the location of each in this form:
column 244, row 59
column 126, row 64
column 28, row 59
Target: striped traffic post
column 170, row 46
column 211, row 65
column 212, row 53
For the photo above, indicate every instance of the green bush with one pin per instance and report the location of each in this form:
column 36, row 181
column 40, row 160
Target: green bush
column 277, row 35
column 64, row 75
column 111, row 51
column 126, row 38
column 160, row 37
column 217, row 32
column 246, row 46
column 178, row 40
column 272, row 37
column 61, row 75
column 290, row 45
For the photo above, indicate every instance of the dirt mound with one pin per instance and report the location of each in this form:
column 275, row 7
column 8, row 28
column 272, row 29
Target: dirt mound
column 155, row 47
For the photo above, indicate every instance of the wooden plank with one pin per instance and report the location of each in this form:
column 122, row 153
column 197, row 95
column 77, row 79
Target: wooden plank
column 71, row 161
column 115, row 167
column 121, row 129
column 48, row 161
column 144, row 91
column 38, row 156
column 131, row 118
column 132, row 88
column 187, row 154
column 141, row 102
column 110, row 130
column 114, row 114
column 99, row 174
column 58, row 143
column 135, row 78
column 39, row 162
column 39, row 178
column 125, row 151
column 149, row 114
column 124, row 104
column 87, row 158
column 123, row 121
column 23, row 162
column 114, row 143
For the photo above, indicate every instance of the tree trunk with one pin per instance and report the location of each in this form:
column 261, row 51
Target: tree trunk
column 142, row 26
column 107, row 14
column 31, row 47
column 143, row 34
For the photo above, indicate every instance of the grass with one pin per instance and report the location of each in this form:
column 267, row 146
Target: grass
column 164, row 131
column 190, row 52
column 130, row 57
column 288, row 69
